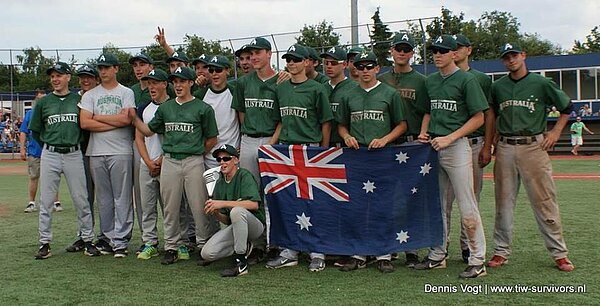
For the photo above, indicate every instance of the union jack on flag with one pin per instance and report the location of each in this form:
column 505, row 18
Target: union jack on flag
column 295, row 167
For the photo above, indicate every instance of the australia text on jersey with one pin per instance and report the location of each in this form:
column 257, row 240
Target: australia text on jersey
column 62, row 118
column 179, row 127
column 528, row 104
column 408, row 93
column 293, row 111
column 259, row 103
column 449, row 105
column 376, row 115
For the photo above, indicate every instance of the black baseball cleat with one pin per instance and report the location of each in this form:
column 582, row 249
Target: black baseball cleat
column 473, row 272
column 240, row 266
column 43, row 252
column 428, row 264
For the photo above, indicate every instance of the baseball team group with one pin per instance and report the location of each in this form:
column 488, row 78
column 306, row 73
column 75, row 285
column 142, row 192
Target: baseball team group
column 147, row 147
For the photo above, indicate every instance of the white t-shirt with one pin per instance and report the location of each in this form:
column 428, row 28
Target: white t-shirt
column 101, row 101
column 227, row 120
column 154, row 142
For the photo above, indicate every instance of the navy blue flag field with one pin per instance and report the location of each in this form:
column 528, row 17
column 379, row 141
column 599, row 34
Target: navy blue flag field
column 344, row 201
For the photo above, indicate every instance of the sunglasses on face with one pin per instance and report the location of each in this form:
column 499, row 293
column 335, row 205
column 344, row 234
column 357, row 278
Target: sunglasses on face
column 362, row 67
column 332, row 63
column 224, row 158
column 216, row 69
column 293, row 59
column 403, row 48
column 439, row 50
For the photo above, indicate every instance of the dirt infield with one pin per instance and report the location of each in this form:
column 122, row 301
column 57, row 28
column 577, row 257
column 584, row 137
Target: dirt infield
column 8, row 169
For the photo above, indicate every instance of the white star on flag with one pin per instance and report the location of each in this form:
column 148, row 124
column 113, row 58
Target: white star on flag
column 402, row 157
column 402, row 236
column 414, row 190
column 369, row 186
column 425, row 169
column 304, row 222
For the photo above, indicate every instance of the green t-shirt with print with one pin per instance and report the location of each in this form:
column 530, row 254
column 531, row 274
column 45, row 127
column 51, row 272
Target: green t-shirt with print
column 242, row 187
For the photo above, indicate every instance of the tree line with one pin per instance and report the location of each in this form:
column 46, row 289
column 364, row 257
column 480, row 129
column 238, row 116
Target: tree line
column 487, row 32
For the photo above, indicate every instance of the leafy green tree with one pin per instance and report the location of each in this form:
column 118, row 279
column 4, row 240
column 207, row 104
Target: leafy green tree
column 591, row 43
column 196, row 46
column 33, row 65
column 319, row 36
column 380, row 39
column 125, row 75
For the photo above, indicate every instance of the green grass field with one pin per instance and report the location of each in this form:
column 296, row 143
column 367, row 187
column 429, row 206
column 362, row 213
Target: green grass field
column 72, row 278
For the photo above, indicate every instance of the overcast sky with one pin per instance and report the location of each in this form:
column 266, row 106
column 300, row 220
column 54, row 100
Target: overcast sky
column 52, row 24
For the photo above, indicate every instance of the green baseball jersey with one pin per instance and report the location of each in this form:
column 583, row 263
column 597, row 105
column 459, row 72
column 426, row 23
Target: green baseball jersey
column 485, row 81
column 185, row 126
column 521, row 105
column 454, row 100
column 321, row 78
column 256, row 99
column 411, row 86
column 577, row 128
column 336, row 95
column 242, row 187
column 302, row 108
column 370, row 114
column 55, row 120
column 143, row 96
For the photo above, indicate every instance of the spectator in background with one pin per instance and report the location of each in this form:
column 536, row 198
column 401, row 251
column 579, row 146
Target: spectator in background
column 553, row 113
column 577, row 134
column 585, row 111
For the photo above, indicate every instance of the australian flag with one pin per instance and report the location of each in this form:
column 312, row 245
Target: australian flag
column 344, row 201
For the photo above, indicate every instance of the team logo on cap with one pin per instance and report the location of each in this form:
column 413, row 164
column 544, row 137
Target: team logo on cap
column 223, row 147
column 508, row 46
column 331, row 50
column 253, row 42
column 85, row 67
column 292, row 49
column 151, row 72
column 214, row 59
column 364, row 55
column 404, row 37
column 439, row 40
column 57, row 66
column 454, row 36
column 178, row 70
column 175, row 54
column 203, row 56
column 102, row 58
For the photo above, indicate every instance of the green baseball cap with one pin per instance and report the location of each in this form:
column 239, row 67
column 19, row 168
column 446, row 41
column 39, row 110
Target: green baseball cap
column 201, row 59
column 403, row 38
column 259, row 43
column 141, row 57
column 240, row 50
column 87, row 70
column 184, row 73
column 337, row 53
column 445, row 42
column 60, row 67
column 107, row 60
column 365, row 56
column 510, row 48
column 297, row 51
column 178, row 56
column 229, row 149
column 156, row 74
column 219, row 61
column 354, row 51
column 312, row 54
column 462, row 40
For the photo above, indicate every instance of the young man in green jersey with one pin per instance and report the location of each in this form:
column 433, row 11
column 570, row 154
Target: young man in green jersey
column 236, row 203
column 371, row 115
column 55, row 126
column 577, row 134
column 411, row 86
column 352, row 72
column 455, row 111
column 338, row 86
column 243, row 55
column 519, row 101
column 190, row 130
column 305, row 113
column 481, row 150
column 313, row 63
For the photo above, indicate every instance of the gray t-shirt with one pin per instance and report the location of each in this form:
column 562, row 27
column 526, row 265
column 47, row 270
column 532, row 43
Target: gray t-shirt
column 101, row 101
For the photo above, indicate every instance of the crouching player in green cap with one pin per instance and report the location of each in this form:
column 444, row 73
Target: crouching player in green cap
column 237, row 203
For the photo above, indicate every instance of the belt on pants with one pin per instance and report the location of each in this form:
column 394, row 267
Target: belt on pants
column 257, row 135
column 407, row 138
column 518, row 140
column 178, row 156
column 475, row 140
column 61, row 150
